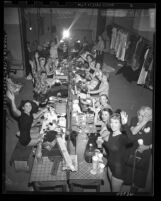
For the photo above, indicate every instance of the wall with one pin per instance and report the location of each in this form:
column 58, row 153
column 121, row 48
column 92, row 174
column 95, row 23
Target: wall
column 142, row 23
column 11, row 26
column 130, row 23
column 84, row 24
column 126, row 22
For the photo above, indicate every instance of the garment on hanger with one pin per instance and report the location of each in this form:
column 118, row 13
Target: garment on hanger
column 149, row 78
column 146, row 64
column 138, row 57
column 122, row 46
column 106, row 41
column 117, row 42
column 140, row 40
column 120, row 43
column 148, row 59
column 113, row 37
column 138, row 54
column 132, row 40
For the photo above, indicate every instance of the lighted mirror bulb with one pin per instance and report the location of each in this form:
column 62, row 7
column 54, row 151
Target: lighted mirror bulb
column 65, row 34
column 50, row 98
column 78, row 41
column 140, row 142
column 30, row 28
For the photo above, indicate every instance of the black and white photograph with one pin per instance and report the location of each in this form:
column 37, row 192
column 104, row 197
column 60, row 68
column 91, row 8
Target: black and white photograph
column 78, row 98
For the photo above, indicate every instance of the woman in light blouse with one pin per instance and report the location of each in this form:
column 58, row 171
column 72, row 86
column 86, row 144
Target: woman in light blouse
column 103, row 87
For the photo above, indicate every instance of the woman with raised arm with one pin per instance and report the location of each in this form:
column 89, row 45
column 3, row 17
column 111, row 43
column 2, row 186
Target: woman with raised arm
column 25, row 116
column 141, row 135
column 117, row 151
column 54, row 49
column 40, row 63
column 50, row 68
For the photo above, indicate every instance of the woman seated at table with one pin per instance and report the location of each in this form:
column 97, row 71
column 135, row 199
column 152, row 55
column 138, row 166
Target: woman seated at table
column 102, row 118
column 25, row 117
column 83, row 56
column 97, row 69
column 103, row 102
column 91, row 62
column 41, row 85
column 103, row 87
column 93, row 84
column 50, row 68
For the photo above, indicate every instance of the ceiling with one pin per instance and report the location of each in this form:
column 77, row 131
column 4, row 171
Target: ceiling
column 60, row 11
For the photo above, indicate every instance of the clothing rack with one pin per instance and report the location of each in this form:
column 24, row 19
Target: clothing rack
column 148, row 42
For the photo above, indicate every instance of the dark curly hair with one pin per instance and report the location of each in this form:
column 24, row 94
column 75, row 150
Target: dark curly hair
column 89, row 55
column 105, row 110
column 108, row 101
column 34, row 105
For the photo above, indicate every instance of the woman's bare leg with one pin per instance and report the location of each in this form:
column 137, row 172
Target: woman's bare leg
column 116, row 184
column 34, row 142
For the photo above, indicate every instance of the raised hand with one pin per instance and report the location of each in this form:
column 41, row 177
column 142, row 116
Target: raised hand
column 147, row 117
column 124, row 117
column 36, row 54
column 31, row 63
column 10, row 95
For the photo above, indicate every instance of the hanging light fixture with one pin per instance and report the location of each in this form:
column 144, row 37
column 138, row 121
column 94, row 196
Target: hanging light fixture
column 30, row 26
column 38, row 24
column 51, row 21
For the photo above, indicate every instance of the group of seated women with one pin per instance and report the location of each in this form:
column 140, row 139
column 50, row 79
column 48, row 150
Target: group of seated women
column 119, row 139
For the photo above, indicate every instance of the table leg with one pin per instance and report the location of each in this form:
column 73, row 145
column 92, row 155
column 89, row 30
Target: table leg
column 64, row 188
column 71, row 187
column 98, row 188
column 36, row 187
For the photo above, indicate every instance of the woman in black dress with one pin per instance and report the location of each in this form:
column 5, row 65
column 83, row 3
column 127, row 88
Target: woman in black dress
column 117, row 151
column 25, row 117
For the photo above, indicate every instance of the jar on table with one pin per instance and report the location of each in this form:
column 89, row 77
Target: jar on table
column 89, row 153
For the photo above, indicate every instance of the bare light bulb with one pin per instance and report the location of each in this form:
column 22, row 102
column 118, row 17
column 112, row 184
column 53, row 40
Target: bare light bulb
column 65, row 34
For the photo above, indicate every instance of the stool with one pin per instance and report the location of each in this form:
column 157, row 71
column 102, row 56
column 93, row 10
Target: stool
column 85, row 184
column 20, row 157
column 50, row 186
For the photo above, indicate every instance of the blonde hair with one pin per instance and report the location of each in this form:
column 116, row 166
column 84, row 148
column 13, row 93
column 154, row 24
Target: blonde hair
column 146, row 109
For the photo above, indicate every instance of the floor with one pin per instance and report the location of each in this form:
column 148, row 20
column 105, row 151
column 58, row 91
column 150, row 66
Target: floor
column 124, row 95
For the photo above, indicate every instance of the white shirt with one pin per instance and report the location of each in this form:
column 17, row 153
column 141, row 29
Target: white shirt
column 54, row 52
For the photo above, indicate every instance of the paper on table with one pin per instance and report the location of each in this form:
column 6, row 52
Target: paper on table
column 65, row 153
column 74, row 162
